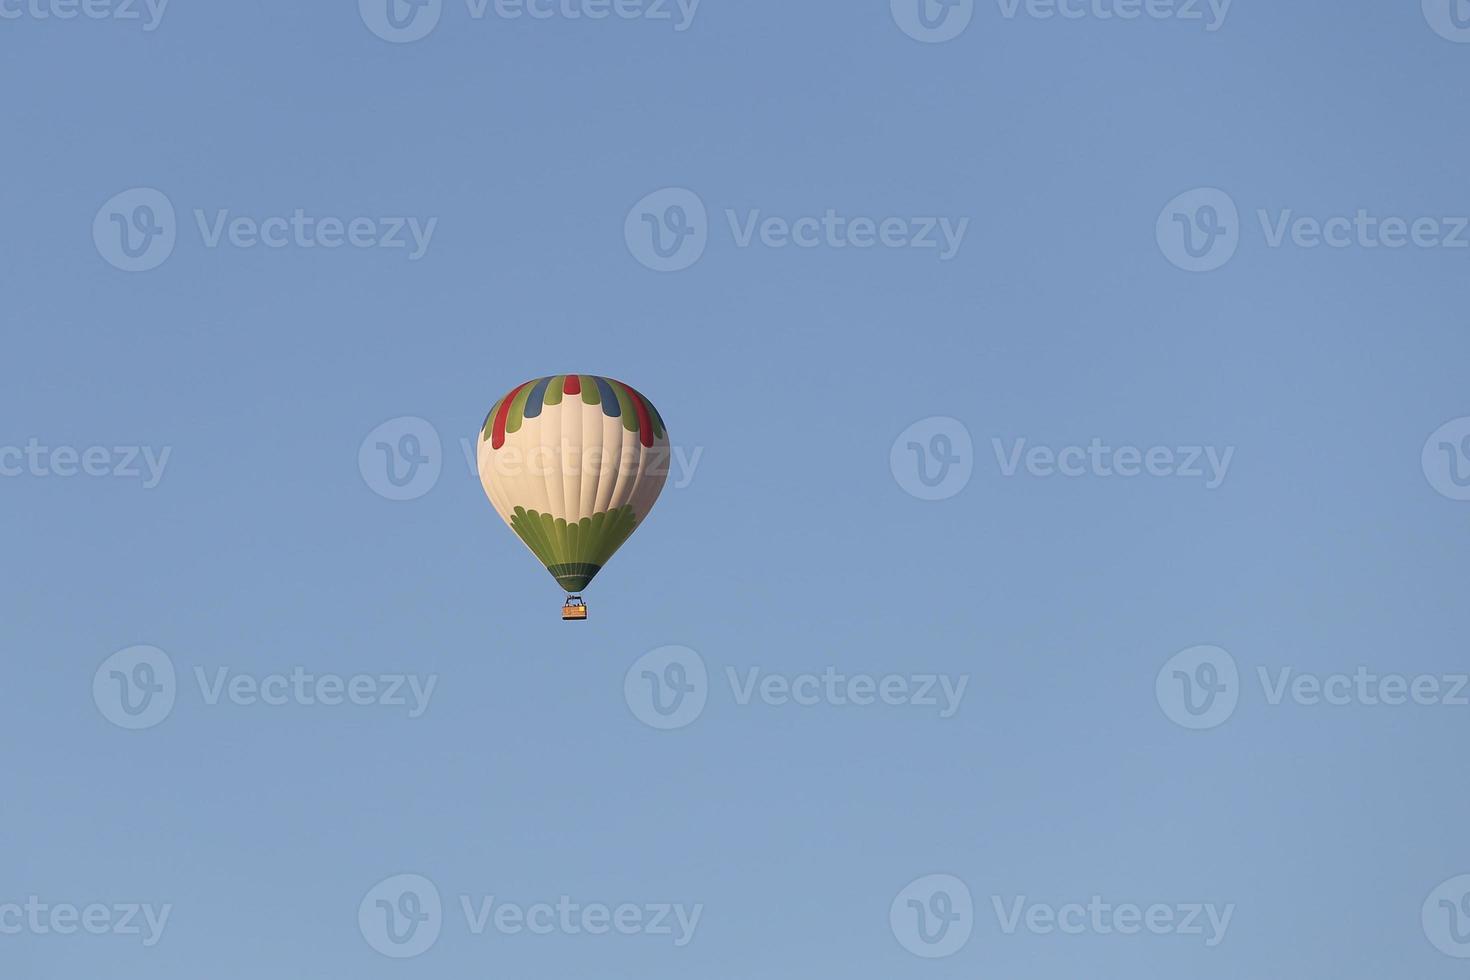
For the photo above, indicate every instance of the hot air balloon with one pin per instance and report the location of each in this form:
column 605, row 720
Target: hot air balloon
column 573, row 463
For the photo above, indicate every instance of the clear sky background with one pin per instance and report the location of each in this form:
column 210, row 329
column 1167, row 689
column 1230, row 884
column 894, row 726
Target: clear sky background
column 795, row 546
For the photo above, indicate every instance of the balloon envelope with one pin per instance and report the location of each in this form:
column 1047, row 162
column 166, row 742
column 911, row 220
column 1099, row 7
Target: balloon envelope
column 573, row 463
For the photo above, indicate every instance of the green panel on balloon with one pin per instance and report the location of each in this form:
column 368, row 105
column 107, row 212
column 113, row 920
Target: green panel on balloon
column 574, row 553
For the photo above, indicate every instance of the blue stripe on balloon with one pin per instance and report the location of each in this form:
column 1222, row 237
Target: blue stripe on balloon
column 533, row 400
column 610, row 406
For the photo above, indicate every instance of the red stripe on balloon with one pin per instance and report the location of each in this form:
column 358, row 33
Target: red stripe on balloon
column 645, row 424
column 573, row 385
column 497, row 436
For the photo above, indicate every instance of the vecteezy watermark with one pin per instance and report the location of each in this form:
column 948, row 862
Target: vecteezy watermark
column 677, row 463
column 405, row 21
column 300, row 687
column 302, row 230
column 1098, row 459
column 669, row 230
column 402, row 458
column 1446, row 917
column 1210, row 14
column 1199, row 688
column 1200, row 230
column 137, row 688
column 37, row 918
column 933, row 459
column 571, row 918
column 668, row 688
column 839, row 231
column 933, row 21
column 1363, row 687
column 1450, row 19
column 937, row 21
column 148, row 12
column 1446, row 459
column 137, row 230
column 1097, row 917
column 939, row 691
column 401, row 21
column 403, row 916
column 933, row 916
column 143, row 463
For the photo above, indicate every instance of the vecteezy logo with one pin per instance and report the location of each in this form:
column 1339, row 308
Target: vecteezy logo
column 135, row 688
column 933, row 916
column 1446, row 917
column 1199, row 230
column 400, row 21
column 933, row 21
column 401, row 916
column 1199, row 688
column 1446, row 459
column 1449, row 18
column 136, row 230
column 933, row 458
column 667, row 688
column 668, row 230
column 401, row 458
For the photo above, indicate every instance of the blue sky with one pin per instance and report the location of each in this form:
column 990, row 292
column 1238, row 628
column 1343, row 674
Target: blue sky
column 1072, row 535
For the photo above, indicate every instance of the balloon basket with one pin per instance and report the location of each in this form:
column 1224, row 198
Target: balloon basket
column 574, row 608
